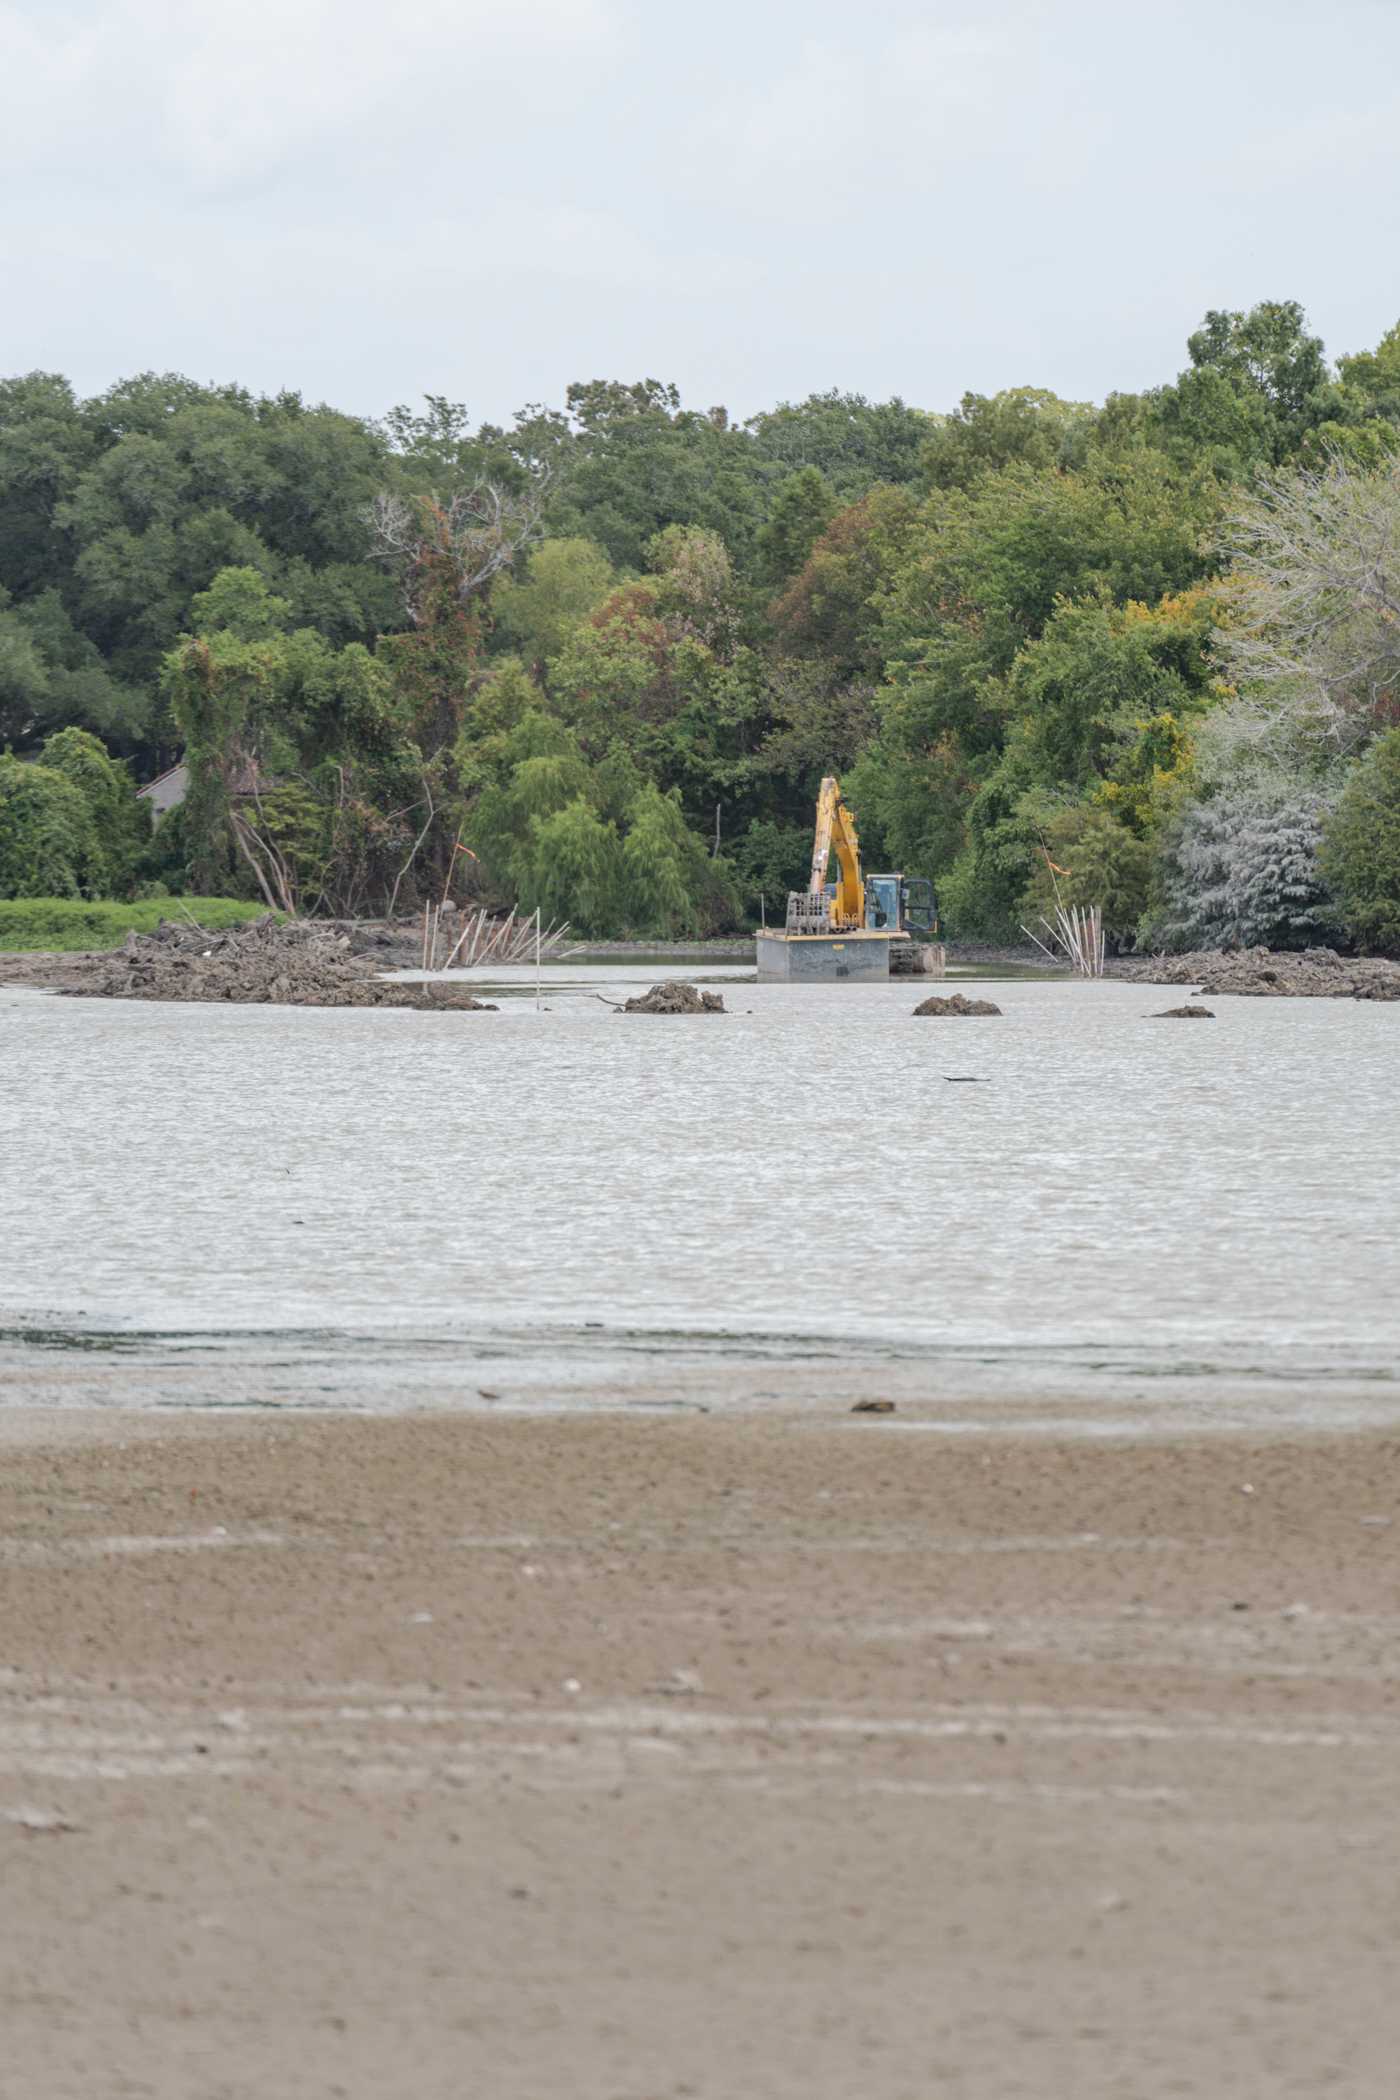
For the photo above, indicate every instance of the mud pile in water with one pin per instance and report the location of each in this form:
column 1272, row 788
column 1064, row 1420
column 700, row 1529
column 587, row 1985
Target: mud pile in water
column 674, row 998
column 1184, row 1013
column 1266, row 973
column 264, row 964
column 957, row 1005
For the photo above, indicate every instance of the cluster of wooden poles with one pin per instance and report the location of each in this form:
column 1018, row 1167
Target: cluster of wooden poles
column 483, row 939
column 1076, row 934
column 1076, row 938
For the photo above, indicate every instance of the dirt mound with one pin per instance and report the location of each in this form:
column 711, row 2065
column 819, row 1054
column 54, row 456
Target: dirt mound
column 1266, row 973
column 957, row 1005
column 1184, row 1013
column 265, row 963
column 674, row 998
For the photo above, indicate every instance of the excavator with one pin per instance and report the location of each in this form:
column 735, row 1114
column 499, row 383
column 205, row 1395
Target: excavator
column 857, row 926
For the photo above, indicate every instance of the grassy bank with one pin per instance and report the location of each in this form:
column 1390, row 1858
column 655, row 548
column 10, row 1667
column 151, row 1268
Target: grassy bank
column 68, row 923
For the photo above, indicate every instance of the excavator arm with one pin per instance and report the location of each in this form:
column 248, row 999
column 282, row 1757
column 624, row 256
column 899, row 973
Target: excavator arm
column 835, row 829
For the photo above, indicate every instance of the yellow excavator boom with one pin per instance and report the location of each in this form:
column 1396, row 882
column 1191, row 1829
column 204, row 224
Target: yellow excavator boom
column 835, row 829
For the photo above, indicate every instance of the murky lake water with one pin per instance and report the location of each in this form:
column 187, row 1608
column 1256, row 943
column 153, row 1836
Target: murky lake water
column 1122, row 1218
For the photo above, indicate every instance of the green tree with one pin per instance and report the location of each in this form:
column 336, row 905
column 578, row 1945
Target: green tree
column 571, row 868
column 1024, row 666
column 564, row 581
column 25, row 687
column 855, row 444
column 120, row 824
column 983, row 575
column 1374, row 375
column 1090, row 858
column 802, row 509
column 833, row 607
column 239, row 602
column 1257, row 385
column 660, row 664
column 48, row 841
column 671, row 885
column 521, row 773
column 1024, row 425
column 302, row 768
column 659, row 866
column 912, row 806
column 1093, row 697
column 77, row 687
column 642, row 462
column 770, row 859
column 1360, row 854
column 614, row 673
column 181, row 481
column 46, row 445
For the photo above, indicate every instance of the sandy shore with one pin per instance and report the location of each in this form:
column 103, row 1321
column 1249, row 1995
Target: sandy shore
column 794, row 1758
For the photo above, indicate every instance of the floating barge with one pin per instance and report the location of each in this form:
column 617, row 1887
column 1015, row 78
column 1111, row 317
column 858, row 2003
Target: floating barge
column 812, row 958
column 857, row 927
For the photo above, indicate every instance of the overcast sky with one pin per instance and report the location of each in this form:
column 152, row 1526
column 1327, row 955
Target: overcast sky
column 755, row 198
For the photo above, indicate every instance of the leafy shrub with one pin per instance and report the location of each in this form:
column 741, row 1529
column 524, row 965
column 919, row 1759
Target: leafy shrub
column 70, row 824
column 1361, row 848
column 121, row 822
column 49, row 845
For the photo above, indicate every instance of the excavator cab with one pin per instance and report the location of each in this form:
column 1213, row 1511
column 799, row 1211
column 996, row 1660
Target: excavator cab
column 918, row 905
column 882, row 903
column 899, row 904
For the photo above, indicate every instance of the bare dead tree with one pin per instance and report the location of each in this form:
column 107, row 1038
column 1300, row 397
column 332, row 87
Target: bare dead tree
column 474, row 533
column 259, row 847
column 269, row 870
column 415, row 849
column 1313, row 638
column 238, row 771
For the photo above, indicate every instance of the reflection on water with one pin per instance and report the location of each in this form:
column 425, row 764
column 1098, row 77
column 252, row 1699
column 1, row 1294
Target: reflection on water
column 390, row 1206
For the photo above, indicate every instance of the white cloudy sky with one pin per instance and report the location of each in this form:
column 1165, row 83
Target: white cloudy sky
column 756, row 198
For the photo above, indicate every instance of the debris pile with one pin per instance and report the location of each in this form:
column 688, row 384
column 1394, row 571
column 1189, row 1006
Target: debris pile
column 1184, row 1013
column 957, row 1005
column 1265, row 973
column 674, row 998
column 262, row 964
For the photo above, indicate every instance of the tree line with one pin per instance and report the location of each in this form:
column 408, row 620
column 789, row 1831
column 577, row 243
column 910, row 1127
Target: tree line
column 597, row 660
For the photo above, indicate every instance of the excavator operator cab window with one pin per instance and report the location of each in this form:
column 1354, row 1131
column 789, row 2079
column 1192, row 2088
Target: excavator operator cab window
column 920, row 904
column 882, row 903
